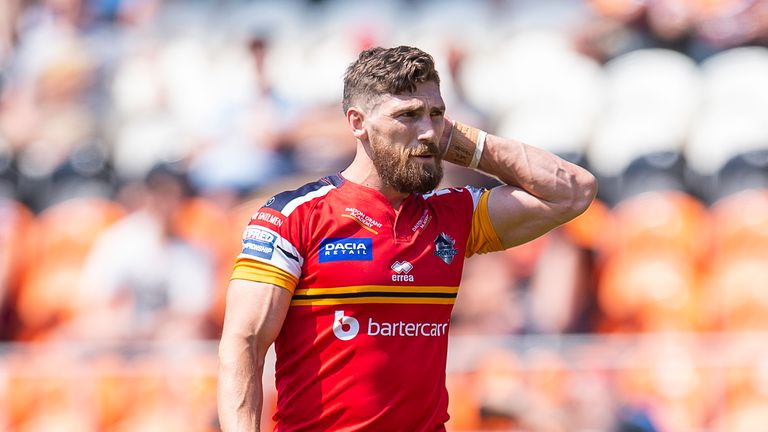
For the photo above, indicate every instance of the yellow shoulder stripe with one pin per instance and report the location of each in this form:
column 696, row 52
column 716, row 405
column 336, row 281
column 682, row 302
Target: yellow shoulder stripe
column 257, row 271
column 482, row 237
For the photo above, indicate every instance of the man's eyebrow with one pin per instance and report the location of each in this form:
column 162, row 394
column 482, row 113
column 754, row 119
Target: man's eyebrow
column 410, row 106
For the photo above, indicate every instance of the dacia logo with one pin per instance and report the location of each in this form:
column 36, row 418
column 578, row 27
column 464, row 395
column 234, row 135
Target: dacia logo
column 346, row 249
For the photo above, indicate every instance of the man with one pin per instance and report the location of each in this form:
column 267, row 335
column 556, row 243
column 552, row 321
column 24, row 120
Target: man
column 354, row 276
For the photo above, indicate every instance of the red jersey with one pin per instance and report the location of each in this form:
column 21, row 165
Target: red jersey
column 364, row 344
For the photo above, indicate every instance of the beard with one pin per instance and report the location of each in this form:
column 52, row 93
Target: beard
column 403, row 173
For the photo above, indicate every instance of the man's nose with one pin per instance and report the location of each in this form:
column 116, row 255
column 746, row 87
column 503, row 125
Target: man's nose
column 427, row 129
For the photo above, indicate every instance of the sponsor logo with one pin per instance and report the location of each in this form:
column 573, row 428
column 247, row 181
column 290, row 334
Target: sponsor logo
column 346, row 328
column 256, row 233
column 410, row 329
column 258, row 242
column 346, row 249
column 423, row 221
column 402, row 269
column 257, row 248
column 269, row 202
column 269, row 218
column 364, row 220
column 445, row 248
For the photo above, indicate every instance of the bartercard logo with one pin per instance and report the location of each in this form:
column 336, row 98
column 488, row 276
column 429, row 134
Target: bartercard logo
column 346, row 249
column 402, row 268
column 346, row 328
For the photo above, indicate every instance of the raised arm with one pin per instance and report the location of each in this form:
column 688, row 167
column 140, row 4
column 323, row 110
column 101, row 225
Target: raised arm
column 254, row 315
column 541, row 190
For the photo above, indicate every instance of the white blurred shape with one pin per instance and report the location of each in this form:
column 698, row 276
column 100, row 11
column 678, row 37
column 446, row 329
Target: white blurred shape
column 186, row 72
column 144, row 141
column 516, row 71
column 652, row 97
column 558, row 108
column 720, row 134
column 309, row 67
column 136, row 87
column 735, row 117
column 737, row 79
column 653, row 82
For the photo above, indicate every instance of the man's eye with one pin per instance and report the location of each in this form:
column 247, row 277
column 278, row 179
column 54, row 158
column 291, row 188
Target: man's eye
column 408, row 114
column 437, row 113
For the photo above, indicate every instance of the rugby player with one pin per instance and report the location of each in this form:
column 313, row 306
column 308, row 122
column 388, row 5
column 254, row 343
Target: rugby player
column 354, row 276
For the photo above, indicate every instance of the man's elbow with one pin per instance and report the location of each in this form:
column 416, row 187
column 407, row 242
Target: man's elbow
column 584, row 191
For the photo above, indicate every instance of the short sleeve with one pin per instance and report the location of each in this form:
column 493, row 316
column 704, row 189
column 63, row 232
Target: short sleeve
column 482, row 237
column 269, row 250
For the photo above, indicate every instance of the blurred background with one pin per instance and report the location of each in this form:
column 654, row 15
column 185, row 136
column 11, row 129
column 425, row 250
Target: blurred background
column 138, row 136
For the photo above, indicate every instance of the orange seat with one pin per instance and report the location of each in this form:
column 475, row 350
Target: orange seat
column 67, row 230
column 740, row 224
column 589, row 230
column 737, row 298
column 647, row 290
column 660, row 220
column 201, row 222
column 48, row 298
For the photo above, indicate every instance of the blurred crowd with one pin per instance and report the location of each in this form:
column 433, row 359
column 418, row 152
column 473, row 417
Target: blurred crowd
column 138, row 136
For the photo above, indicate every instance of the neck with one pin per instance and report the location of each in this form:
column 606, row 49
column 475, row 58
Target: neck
column 363, row 172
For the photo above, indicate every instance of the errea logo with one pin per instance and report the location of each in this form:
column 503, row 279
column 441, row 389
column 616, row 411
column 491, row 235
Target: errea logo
column 402, row 268
column 345, row 327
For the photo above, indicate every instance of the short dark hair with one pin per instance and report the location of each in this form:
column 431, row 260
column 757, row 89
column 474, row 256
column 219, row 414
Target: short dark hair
column 387, row 70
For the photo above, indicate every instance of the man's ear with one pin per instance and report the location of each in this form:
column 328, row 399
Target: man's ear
column 356, row 121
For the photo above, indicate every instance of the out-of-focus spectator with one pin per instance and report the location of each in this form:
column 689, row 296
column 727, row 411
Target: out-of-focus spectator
column 16, row 223
column 142, row 279
column 93, row 94
column 488, row 277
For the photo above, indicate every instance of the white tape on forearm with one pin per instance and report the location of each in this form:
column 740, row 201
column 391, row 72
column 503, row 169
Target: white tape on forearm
column 450, row 137
column 478, row 149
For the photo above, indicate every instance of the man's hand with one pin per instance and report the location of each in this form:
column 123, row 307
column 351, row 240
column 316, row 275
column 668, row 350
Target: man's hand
column 541, row 190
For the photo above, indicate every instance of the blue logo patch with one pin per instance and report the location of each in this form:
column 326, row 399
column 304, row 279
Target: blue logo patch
column 258, row 248
column 346, row 249
column 258, row 242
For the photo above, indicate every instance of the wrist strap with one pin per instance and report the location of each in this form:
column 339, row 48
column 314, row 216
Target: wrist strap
column 450, row 137
column 478, row 149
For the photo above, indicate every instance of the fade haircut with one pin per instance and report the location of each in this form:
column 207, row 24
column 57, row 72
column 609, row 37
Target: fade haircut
column 379, row 71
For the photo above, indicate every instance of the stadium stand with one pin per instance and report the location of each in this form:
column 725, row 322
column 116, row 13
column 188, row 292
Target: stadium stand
column 647, row 313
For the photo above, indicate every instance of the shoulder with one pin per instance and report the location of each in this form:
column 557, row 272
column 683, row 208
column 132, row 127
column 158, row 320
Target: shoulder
column 287, row 202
